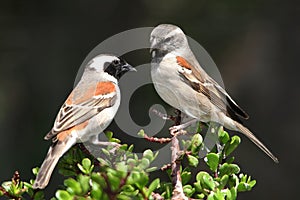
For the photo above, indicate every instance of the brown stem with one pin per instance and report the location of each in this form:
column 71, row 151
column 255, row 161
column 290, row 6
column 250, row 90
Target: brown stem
column 157, row 196
column 177, row 193
column 158, row 140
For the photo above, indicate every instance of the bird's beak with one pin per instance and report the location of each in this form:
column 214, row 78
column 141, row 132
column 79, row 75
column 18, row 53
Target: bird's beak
column 128, row 67
column 153, row 44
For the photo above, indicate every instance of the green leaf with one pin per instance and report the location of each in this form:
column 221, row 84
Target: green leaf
column 144, row 163
column 131, row 161
column 242, row 187
column 109, row 135
column 81, row 168
column 198, row 186
column 73, row 187
column 63, row 195
column 96, row 191
column 218, row 195
column 39, row 195
column 130, row 148
column 86, row 163
column 123, row 197
column 193, row 161
column 200, row 175
column 97, row 178
column 234, row 143
column 186, row 144
column 211, row 196
column 86, row 166
column 167, row 190
column 84, row 183
column 114, row 181
column 223, row 181
column 115, row 140
column 122, row 168
column 229, row 169
column 67, row 172
column 223, row 136
column 142, row 181
column 105, row 152
column 196, row 143
column 35, row 170
column 103, row 162
column 151, row 169
column 252, row 183
column 141, row 133
column 186, row 176
column 199, row 129
column 212, row 161
column 231, row 194
column 148, row 154
column 200, row 196
column 230, row 160
column 233, row 181
column 153, row 186
column 208, row 182
column 188, row 190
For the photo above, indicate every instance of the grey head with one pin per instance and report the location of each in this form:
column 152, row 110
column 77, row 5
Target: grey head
column 166, row 38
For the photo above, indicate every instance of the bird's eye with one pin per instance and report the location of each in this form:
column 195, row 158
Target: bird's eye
column 116, row 62
column 168, row 39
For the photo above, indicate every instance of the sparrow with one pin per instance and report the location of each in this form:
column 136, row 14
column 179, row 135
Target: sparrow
column 87, row 111
column 182, row 83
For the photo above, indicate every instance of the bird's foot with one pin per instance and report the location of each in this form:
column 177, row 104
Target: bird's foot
column 115, row 145
column 175, row 130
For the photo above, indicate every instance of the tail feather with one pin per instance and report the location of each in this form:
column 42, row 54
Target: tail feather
column 256, row 141
column 53, row 155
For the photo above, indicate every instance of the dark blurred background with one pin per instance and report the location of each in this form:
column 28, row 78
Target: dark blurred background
column 255, row 44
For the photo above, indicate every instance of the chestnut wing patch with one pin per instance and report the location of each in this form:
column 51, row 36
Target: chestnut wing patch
column 79, row 108
column 210, row 89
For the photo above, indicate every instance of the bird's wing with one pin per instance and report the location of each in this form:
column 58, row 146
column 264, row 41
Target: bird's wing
column 83, row 104
column 210, row 88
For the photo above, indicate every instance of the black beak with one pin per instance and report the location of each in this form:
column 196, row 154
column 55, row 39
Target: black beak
column 126, row 67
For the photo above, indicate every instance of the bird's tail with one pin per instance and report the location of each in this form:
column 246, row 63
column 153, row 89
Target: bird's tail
column 53, row 155
column 256, row 141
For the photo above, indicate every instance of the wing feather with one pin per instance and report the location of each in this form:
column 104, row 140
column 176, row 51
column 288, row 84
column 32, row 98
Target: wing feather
column 210, row 89
column 72, row 114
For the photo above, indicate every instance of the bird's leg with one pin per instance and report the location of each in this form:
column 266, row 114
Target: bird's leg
column 95, row 140
column 179, row 127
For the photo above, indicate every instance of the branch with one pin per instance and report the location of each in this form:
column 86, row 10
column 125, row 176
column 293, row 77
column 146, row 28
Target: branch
column 177, row 193
column 155, row 139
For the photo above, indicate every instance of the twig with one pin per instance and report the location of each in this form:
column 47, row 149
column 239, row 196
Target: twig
column 158, row 140
column 165, row 167
column 177, row 193
column 157, row 196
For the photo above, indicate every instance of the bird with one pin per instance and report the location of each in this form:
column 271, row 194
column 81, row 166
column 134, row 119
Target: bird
column 86, row 112
column 181, row 82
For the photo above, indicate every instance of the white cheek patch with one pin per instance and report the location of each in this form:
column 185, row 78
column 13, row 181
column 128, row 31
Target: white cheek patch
column 97, row 63
column 153, row 54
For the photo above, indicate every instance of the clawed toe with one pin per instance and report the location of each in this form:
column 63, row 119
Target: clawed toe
column 174, row 129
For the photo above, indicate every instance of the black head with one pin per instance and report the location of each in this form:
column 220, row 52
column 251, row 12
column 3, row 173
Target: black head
column 117, row 67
